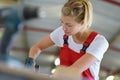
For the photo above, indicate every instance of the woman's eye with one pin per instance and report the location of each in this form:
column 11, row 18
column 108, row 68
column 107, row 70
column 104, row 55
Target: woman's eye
column 69, row 25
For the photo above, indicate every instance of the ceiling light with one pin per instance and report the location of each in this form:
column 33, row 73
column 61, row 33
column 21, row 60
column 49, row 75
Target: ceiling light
column 57, row 61
column 111, row 77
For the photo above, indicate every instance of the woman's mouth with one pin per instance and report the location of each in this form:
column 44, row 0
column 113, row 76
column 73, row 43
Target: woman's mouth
column 66, row 32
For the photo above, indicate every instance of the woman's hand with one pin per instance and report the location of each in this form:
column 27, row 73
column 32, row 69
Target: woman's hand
column 29, row 63
column 67, row 73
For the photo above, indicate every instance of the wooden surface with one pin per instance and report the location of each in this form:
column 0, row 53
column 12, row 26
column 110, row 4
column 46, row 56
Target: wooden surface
column 11, row 73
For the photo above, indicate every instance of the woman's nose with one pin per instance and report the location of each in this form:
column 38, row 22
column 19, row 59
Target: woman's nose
column 64, row 27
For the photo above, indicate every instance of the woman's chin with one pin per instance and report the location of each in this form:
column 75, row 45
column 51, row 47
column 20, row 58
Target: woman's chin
column 68, row 34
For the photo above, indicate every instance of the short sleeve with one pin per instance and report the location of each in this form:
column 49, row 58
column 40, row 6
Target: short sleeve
column 57, row 36
column 98, row 47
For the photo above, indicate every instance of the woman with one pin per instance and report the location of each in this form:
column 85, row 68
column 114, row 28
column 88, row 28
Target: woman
column 81, row 47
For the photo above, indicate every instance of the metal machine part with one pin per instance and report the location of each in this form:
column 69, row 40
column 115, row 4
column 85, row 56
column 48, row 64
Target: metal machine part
column 12, row 20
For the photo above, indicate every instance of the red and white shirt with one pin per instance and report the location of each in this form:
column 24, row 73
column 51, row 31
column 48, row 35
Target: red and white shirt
column 97, row 48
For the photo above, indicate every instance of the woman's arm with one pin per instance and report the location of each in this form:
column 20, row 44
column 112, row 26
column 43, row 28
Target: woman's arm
column 41, row 45
column 84, row 62
column 74, row 71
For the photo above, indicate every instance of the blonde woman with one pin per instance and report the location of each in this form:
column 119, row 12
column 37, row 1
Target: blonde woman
column 82, row 49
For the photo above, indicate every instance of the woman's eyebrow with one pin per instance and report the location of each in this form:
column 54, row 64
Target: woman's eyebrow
column 65, row 23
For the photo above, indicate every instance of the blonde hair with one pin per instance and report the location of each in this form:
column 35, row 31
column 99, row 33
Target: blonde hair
column 79, row 10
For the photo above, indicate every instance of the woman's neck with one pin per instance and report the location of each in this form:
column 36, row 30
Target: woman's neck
column 81, row 36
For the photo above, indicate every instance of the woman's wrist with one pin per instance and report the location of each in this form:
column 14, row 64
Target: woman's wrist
column 31, row 56
column 34, row 52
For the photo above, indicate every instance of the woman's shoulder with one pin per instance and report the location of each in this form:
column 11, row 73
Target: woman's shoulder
column 57, row 36
column 98, row 46
column 100, row 37
column 100, row 40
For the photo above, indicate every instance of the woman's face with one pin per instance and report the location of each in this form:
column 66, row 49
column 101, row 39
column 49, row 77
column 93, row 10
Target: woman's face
column 70, row 26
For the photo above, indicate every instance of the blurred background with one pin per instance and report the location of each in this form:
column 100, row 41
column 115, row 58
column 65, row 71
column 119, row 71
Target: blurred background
column 33, row 19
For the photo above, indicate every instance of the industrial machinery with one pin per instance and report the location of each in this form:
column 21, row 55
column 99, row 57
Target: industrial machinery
column 12, row 19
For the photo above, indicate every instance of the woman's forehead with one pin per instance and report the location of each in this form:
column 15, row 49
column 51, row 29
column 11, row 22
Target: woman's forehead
column 68, row 20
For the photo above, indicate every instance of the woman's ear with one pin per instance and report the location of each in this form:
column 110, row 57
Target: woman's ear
column 82, row 22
